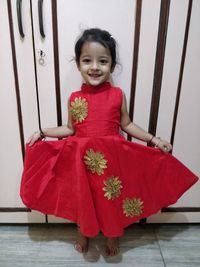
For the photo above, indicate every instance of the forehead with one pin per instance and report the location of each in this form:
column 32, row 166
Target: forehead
column 94, row 49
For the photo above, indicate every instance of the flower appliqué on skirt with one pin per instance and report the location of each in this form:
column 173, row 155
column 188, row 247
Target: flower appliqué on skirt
column 112, row 187
column 95, row 161
column 132, row 207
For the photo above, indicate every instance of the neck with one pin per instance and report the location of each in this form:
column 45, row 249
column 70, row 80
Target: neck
column 91, row 88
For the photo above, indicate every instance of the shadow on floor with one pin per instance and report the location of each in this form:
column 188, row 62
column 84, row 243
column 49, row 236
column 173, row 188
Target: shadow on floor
column 141, row 238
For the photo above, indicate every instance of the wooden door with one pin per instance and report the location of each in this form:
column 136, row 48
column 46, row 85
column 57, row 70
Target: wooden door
column 158, row 70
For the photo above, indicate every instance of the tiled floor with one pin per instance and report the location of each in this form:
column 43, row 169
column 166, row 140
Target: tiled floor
column 153, row 245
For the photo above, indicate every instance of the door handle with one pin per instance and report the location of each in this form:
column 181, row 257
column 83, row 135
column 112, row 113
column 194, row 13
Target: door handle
column 40, row 16
column 19, row 17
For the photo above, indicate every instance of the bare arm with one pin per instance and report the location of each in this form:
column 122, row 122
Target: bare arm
column 55, row 132
column 137, row 132
column 61, row 131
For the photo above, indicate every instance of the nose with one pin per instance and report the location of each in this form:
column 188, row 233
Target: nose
column 95, row 65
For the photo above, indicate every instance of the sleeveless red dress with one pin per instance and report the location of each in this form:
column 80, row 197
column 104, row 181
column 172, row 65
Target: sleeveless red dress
column 96, row 178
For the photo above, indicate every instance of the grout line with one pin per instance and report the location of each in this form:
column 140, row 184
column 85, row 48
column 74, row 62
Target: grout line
column 157, row 241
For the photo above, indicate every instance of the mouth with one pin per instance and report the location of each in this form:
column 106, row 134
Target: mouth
column 94, row 75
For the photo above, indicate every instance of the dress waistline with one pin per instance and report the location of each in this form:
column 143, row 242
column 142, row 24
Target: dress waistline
column 95, row 132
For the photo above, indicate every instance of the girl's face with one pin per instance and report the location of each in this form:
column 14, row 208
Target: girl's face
column 95, row 63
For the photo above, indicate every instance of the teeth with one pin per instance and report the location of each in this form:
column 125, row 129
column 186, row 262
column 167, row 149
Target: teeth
column 95, row 76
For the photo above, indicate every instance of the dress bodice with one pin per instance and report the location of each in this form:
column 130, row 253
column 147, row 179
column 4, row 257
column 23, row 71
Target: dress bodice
column 96, row 110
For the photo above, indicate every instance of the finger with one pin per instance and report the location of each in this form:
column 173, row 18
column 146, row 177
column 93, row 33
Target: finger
column 32, row 142
column 169, row 147
column 28, row 140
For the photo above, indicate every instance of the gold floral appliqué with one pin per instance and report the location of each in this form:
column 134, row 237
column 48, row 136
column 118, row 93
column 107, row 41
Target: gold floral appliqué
column 132, row 207
column 95, row 161
column 79, row 109
column 112, row 187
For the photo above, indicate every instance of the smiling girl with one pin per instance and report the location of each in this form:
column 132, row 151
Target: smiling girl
column 95, row 177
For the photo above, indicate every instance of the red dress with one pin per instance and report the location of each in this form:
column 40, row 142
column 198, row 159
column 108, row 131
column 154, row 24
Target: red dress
column 96, row 178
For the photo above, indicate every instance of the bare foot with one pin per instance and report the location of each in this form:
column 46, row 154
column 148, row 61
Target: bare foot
column 81, row 242
column 112, row 246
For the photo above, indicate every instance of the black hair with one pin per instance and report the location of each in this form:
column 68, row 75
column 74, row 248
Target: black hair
column 99, row 36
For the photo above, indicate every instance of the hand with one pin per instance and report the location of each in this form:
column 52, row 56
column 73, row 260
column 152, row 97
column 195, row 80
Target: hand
column 162, row 144
column 33, row 138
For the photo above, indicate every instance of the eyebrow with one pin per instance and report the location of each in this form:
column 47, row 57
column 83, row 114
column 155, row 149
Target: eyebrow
column 105, row 57
column 86, row 55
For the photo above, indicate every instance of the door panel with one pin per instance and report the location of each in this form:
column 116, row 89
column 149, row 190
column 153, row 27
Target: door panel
column 15, row 110
column 45, row 72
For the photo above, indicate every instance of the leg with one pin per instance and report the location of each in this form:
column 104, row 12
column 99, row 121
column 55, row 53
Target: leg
column 81, row 242
column 112, row 246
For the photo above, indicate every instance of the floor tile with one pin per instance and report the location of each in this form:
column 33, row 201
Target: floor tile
column 180, row 244
column 52, row 246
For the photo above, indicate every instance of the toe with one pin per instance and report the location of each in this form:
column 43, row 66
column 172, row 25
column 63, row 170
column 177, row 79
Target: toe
column 78, row 247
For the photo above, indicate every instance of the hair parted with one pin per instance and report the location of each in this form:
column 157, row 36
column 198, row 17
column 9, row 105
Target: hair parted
column 99, row 36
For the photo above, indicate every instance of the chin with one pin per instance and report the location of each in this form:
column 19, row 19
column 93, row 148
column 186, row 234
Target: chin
column 96, row 82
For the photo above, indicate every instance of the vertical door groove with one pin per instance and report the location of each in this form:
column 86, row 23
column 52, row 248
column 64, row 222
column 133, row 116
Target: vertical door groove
column 135, row 59
column 56, row 60
column 35, row 66
column 181, row 70
column 19, row 110
column 159, row 63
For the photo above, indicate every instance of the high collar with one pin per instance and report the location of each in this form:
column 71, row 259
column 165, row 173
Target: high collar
column 95, row 89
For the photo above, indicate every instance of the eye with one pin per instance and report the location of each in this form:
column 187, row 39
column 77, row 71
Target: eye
column 103, row 61
column 86, row 60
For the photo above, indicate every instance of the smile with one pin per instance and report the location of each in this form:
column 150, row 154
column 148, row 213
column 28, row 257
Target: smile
column 94, row 76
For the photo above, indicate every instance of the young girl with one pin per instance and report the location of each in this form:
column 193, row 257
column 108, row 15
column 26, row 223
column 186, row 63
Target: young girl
column 95, row 177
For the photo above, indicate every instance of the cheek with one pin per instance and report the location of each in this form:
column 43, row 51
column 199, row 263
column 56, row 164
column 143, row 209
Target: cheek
column 83, row 68
column 107, row 69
